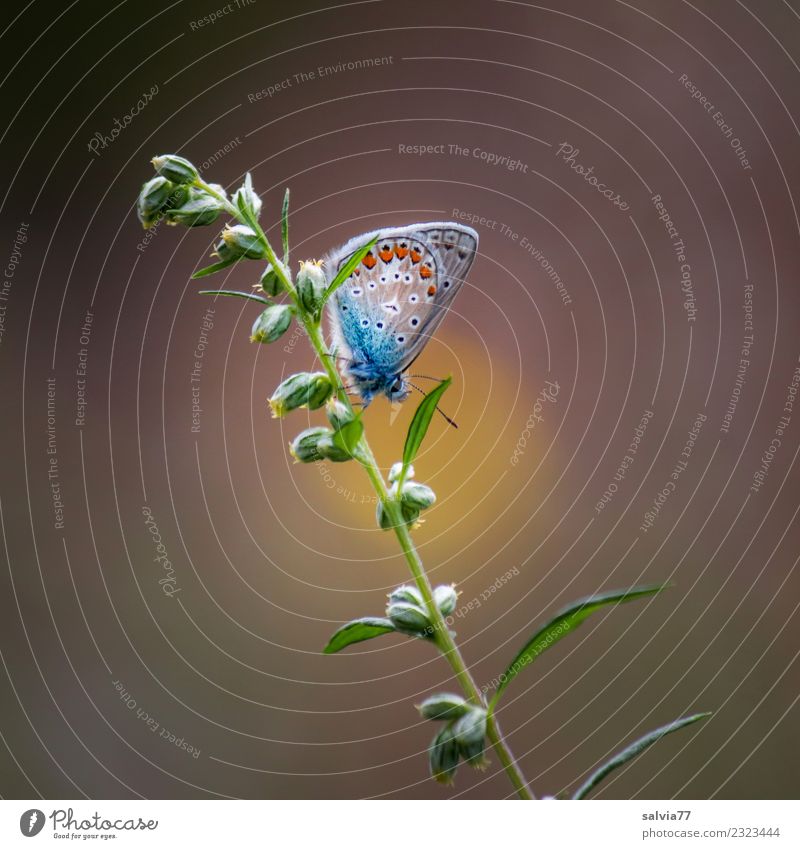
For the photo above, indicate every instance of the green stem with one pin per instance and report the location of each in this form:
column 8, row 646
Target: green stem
column 442, row 636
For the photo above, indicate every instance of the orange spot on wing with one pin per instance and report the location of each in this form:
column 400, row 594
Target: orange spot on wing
column 386, row 255
column 416, row 256
column 369, row 260
column 431, row 291
column 425, row 272
column 401, row 253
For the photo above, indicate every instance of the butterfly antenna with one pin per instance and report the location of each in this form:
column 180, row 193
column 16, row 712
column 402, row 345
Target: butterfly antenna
column 438, row 408
column 335, row 357
column 426, row 377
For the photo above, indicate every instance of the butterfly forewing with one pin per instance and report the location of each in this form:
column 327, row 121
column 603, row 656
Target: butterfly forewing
column 386, row 311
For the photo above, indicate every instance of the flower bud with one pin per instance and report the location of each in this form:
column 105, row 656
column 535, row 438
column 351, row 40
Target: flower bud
column 409, row 515
column 408, row 594
column 443, row 756
column 470, row 734
column 330, row 450
column 409, row 618
column 270, row 282
column 245, row 196
column 305, row 446
column 417, row 495
column 445, row 597
column 198, row 209
column 243, row 241
column 153, row 200
column 394, row 472
column 175, row 168
column 272, row 323
column 339, row 414
column 311, row 286
column 445, row 706
column 306, row 389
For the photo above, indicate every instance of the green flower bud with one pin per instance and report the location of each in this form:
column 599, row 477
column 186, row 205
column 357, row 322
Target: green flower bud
column 331, row 451
column 470, row 734
column 270, row 282
column 153, row 199
column 243, row 241
column 408, row 594
column 409, row 618
column 417, row 495
column 445, row 597
column 272, row 323
column 443, row 756
column 339, row 414
column 410, row 515
column 175, row 168
column 394, row 472
column 311, row 285
column 305, row 446
column 445, row 706
column 306, row 389
column 245, row 196
column 198, row 209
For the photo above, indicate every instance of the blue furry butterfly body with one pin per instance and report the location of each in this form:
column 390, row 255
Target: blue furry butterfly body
column 383, row 315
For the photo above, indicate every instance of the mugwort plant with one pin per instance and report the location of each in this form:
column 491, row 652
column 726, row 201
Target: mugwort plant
column 467, row 721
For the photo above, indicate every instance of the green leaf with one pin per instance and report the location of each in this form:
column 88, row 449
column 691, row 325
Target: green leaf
column 233, row 294
column 419, row 427
column 285, row 227
column 633, row 750
column 347, row 269
column 348, row 436
column 212, row 269
column 357, row 631
column 562, row 623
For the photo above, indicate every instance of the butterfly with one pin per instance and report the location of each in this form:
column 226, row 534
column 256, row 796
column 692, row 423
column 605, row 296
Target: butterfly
column 384, row 314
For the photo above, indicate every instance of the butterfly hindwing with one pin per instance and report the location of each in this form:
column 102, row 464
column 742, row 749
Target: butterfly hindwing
column 387, row 310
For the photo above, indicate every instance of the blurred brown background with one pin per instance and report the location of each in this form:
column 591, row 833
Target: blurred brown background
column 269, row 558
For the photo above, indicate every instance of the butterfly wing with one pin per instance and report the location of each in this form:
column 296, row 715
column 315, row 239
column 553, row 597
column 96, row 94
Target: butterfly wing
column 389, row 307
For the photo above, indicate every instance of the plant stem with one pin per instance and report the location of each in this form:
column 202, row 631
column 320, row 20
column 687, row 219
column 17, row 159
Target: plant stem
column 442, row 636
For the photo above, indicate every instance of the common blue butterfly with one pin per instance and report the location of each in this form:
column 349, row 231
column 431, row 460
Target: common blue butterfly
column 383, row 315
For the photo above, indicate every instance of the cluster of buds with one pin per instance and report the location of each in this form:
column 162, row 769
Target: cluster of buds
column 324, row 443
column 463, row 736
column 412, row 499
column 407, row 612
column 173, row 194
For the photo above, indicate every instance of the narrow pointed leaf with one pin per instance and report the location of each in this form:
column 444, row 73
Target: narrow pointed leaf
column 419, row 425
column 357, row 631
column 633, row 750
column 233, row 294
column 285, row 227
column 563, row 623
column 212, row 269
column 347, row 269
column 347, row 437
